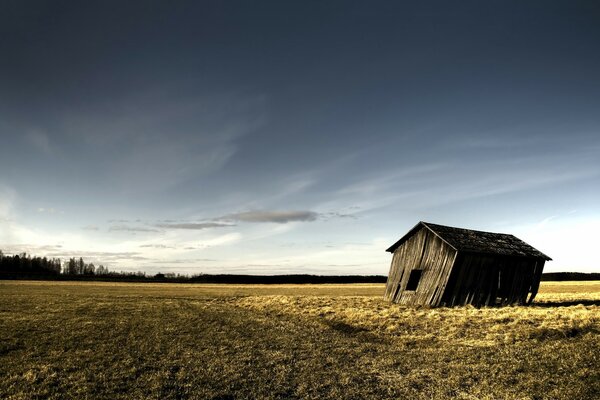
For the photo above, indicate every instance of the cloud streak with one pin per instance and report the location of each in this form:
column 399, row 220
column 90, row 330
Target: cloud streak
column 231, row 220
column 40, row 141
column 194, row 225
column 156, row 246
column 279, row 217
column 128, row 228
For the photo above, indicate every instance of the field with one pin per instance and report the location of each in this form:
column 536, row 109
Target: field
column 66, row 340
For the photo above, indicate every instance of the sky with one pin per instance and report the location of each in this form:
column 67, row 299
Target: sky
column 272, row 137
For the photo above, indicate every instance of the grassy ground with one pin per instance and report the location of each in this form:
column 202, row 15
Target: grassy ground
column 166, row 341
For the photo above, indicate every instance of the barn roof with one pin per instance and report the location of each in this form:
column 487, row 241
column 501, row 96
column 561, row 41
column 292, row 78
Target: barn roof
column 472, row 241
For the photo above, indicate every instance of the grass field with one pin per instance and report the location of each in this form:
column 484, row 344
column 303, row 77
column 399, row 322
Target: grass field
column 65, row 340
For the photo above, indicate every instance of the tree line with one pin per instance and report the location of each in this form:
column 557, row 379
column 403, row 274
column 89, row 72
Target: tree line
column 571, row 276
column 26, row 266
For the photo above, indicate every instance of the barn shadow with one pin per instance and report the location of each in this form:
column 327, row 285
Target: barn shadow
column 353, row 331
column 344, row 328
column 549, row 304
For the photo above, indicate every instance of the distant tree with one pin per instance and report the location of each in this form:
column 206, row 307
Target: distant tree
column 89, row 269
column 72, row 266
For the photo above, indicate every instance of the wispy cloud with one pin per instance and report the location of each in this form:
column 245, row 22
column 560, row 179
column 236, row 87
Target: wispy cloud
column 105, row 257
column 157, row 246
column 338, row 214
column 130, row 228
column 255, row 216
column 184, row 261
column 49, row 210
column 30, row 248
column 194, row 225
column 39, row 140
column 192, row 135
column 279, row 217
column 8, row 198
column 91, row 228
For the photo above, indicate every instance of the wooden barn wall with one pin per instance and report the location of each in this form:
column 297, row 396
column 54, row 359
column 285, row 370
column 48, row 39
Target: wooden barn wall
column 483, row 280
column 537, row 277
column 427, row 252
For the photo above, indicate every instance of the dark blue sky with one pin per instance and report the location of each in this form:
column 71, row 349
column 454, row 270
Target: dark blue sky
column 270, row 137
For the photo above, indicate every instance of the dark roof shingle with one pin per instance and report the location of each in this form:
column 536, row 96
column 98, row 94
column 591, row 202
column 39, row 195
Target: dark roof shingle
column 472, row 241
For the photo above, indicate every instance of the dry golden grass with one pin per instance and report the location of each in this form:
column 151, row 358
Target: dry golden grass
column 163, row 341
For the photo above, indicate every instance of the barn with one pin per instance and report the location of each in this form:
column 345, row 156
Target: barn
column 437, row 265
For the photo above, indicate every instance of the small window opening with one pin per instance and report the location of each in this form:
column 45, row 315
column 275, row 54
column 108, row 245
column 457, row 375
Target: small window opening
column 413, row 279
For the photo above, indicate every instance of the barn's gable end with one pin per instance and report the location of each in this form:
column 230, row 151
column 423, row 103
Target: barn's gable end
column 426, row 252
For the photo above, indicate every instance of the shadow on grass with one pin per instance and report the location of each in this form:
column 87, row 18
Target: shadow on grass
column 353, row 331
column 344, row 328
column 569, row 303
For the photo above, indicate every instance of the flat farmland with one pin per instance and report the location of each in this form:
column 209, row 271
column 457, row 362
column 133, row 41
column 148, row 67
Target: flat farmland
column 65, row 340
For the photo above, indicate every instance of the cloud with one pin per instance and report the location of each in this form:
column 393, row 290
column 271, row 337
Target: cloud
column 128, row 228
column 157, row 246
column 194, row 225
column 183, row 261
column 90, row 228
column 48, row 210
column 255, row 216
column 279, row 217
column 159, row 138
column 8, row 198
column 104, row 257
column 338, row 214
column 36, row 250
column 226, row 239
column 40, row 141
